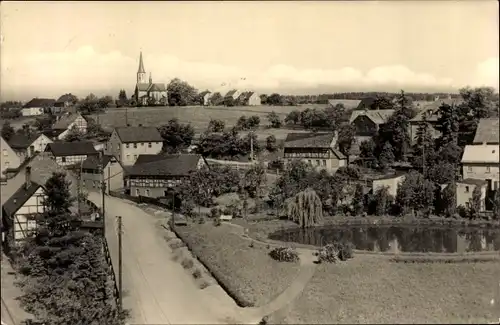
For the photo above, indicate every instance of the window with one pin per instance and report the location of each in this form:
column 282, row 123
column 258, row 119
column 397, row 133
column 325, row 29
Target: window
column 137, row 192
column 149, row 144
column 135, row 145
column 6, row 164
column 135, row 157
column 469, row 168
column 127, row 146
column 317, row 163
column 5, row 152
column 309, row 161
column 142, row 144
column 94, row 184
column 128, row 157
column 466, row 189
column 488, row 169
column 147, row 193
column 63, row 159
column 324, row 162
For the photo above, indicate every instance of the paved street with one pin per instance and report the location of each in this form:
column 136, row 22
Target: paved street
column 158, row 290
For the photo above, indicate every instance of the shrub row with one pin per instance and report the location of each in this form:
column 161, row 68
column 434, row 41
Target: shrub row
column 284, row 254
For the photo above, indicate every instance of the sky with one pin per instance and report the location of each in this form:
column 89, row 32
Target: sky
column 51, row 48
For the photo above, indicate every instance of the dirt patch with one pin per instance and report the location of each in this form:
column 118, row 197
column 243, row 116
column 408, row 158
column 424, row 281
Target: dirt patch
column 371, row 289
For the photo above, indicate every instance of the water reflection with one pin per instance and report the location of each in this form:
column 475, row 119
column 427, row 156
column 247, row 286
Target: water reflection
column 398, row 238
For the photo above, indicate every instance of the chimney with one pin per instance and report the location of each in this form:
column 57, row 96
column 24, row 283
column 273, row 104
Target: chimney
column 28, row 177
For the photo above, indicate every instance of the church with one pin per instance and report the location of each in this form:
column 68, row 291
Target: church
column 148, row 93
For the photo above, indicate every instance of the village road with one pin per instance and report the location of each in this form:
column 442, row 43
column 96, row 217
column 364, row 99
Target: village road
column 157, row 289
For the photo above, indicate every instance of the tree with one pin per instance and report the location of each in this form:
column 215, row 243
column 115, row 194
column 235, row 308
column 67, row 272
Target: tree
column 242, row 123
column 275, row 100
column 263, row 99
column 346, row 138
column 496, row 205
column 180, row 93
column 441, row 172
column 382, row 200
column 74, row 135
column 216, row 125
column 404, row 105
column 382, row 102
column 367, row 153
column 314, row 118
column 395, row 131
column 176, row 136
column 448, row 124
column 227, row 144
column 293, row 117
column 253, row 122
column 271, row 143
column 274, row 120
column 305, row 208
column 335, row 115
column 122, row 98
column 448, row 204
column 7, row 131
column 415, row 194
column 248, row 141
column 475, row 203
column 254, row 178
column 229, row 101
column 44, row 123
column 386, row 158
column 104, row 102
column 358, row 200
column 90, row 104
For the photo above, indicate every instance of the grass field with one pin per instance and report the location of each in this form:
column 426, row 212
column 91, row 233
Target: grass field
column 247, row 272
column 371, row 289
column 198, row 116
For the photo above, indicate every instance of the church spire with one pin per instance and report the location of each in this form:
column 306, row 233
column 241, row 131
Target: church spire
column 141, row 65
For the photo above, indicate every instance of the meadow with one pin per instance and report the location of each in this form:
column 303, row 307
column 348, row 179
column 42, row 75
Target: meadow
column 198, row 116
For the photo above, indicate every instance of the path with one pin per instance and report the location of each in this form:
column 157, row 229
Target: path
column 11, row 310
column 158, row 290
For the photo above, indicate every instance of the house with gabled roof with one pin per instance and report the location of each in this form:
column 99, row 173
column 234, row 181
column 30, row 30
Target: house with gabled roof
column 68, row 121
column 92, row 169
column 155, row 175
column 368, row 122
column 68, row 154
column 9, row 159
column 37, row 106
column 20, row 211
column 66, row 100
column 205, row 97
column 315, row 148
column 482, row 161
column 128, row 143
column 26, row 145
column 249, row 98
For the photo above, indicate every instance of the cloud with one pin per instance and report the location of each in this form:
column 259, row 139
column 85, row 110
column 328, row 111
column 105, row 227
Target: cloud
column 487, row 73
column 85, row 70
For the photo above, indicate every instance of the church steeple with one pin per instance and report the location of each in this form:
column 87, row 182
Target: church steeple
column 141, row 73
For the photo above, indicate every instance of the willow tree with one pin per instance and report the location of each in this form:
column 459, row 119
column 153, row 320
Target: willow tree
column 305, row 208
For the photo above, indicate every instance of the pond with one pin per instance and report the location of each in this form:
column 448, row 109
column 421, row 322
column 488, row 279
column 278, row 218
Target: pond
column 397, row 238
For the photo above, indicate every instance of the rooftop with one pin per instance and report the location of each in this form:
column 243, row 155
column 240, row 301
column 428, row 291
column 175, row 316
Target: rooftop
column 379, row 116
column 487, row 131
column 481, row 154
column 472, row 181
column 94, row 162
column 40, row 102
column 309, row 140
column 131, row 134
column 16, row 201
column 71, row 148
column 22, row 141
column 165, row 165
column 64, row 121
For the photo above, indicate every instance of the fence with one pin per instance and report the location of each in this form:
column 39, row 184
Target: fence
column 239, row 166
column 142, row 199
column 111, row 270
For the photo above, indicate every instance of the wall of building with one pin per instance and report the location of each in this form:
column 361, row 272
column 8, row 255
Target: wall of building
column 24, row 220
column 9, row 158
column 483, row 172
column 40, row 144
column 112, row 147
column 70, row 160
column 254, row 100
column 131, row 151
column 151, row 187
column 32, row 111
column 464, row 194
column 391, row 183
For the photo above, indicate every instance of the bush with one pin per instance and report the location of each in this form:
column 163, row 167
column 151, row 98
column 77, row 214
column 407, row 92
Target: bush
column 217, row 222
column 284, row 254
column 214, row 213
column 196, row 274
column 187, row 263
column 336, row 251
column 201, row 220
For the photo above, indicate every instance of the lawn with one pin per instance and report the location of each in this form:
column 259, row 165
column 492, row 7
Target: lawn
column 372, row 289
column 248, row 273
column 198, row 116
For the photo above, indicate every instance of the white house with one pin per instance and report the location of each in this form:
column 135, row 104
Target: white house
column 26, row 145
column 37, row 106
column 21, row 210
column 205, row 97
column 9, row 158
column 482, row 162
column 127, row 143
column 70, row 153
column 67, row 122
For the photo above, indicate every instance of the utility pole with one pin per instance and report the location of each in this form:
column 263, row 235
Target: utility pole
column 251, row 146
column 120, row 268
column 423, row 159
column 126, row 116
column 173, row 209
